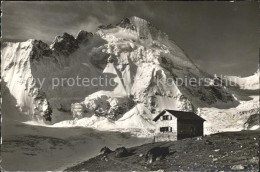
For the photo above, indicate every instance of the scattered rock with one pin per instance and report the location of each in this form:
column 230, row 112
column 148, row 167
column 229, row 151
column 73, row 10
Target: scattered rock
column 254, row 160
column 215, row 159
column 199, row 138
column 121, row 152
column 204, row 157
column 103, row 158
column 237, row 167
column 158, row 158
column 160, row 170
column 208, row 142
column 105, row 150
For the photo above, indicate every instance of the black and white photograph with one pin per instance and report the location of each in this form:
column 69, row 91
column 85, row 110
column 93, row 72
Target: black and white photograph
column 130, row 86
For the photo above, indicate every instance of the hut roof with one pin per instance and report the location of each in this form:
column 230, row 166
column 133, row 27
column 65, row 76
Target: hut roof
column 180, row 115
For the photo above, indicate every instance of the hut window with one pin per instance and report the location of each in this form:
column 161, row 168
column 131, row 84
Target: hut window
column 166, row 117
column 165, row 129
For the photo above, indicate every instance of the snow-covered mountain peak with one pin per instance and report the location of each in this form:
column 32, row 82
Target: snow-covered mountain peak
column 134, row 23
column 135, row 29
column 136, row 20
column 148, row 31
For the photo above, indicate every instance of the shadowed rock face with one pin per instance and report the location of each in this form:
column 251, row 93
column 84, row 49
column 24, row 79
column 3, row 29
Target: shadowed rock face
column 39, row 50
column 253, row 121
column 84, row 37
column 65, row 44
column 126, row 23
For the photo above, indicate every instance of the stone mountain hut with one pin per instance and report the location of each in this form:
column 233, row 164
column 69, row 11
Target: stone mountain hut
column 175, row 125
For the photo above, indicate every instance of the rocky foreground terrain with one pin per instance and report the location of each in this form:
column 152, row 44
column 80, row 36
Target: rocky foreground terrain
column 222, row 151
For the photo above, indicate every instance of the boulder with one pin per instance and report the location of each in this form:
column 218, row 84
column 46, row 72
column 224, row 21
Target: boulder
column 121, row 152
column 105, row 150
column 156, row 153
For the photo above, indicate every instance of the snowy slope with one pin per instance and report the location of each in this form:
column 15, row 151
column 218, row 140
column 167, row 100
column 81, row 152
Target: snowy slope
column 16, row 69
column 242, row 117
column 232, row 119
column 138, row 121
column 39, row 148
column 247, row 83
